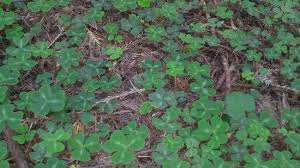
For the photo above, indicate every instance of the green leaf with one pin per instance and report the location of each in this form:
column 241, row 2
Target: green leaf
column 133, row 24
column 214, row 131
column 162, row 99
column 41, row 5
column 292, row 116
column 145, row 107
column 124, row 5
column 41, row 49
column 123, row 143
column 7, row 115
column 144, row 3
column 113, row 52
column 68, row 77
column 94, row 14
column 81, row 146
column 8, row 76
column 47, row 99
column 237, row 103
column 293, row 140
column 82, row 101
column 106, row 83
column 44, row 78
column 3, row 150
column 3, row 93
column 52, row 141
column 7, row 18
column 68, row 57
column 175, row 68
column 155, row 33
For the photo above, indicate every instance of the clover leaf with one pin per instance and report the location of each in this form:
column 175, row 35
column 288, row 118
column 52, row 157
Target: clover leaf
column 68, row 57
column 81, row 146
column 202, row 86
column 44, row 78
column 41, row 5
column 293, row 140
column 47, row 99
column 162, row 99
column 236, row 103
column 108, row 83
column 6, row 18
column 169, row 10
column 3, row 154
column 144, row 3
column 124, row 142
column 284, row 159
column 8, row 76
column 175, row 68
column 113, row 52
column 223, row 12
column 3, row 93
column 82, row 101
column 133, row 24
column 195, row 70
column 252, row 55
column 24, row 100
column 168, row 121
column 155, row 33
column 292, row 116
column 8, row 116
column 124, row 5
column 41, row 49
column 214, row 131
column 145, row 107
column 92, row 69
column 23, row 134
column 52, row 141
column 94, row 14
column 151, row 79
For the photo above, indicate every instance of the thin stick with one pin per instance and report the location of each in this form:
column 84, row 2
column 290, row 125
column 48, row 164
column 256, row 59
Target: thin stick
column 62, row 31
column 124, row 94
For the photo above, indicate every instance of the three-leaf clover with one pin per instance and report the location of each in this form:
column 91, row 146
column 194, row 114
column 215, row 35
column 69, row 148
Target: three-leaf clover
column 215, row 131
column 155, row 33
column 113, row 52
column 123, row 143
column 52, row 141
column 68, row 57
column 9, row 117
column 23, row 134
column 81, row 146
column 292, row 116
column 6, row 18
column 47, row 99
column 162, row 99
column 8, row 76
column 175, row 68
column 41, row 5
column 133, row 24
column 41, row 49
column 124, row 5
column 82, row 101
